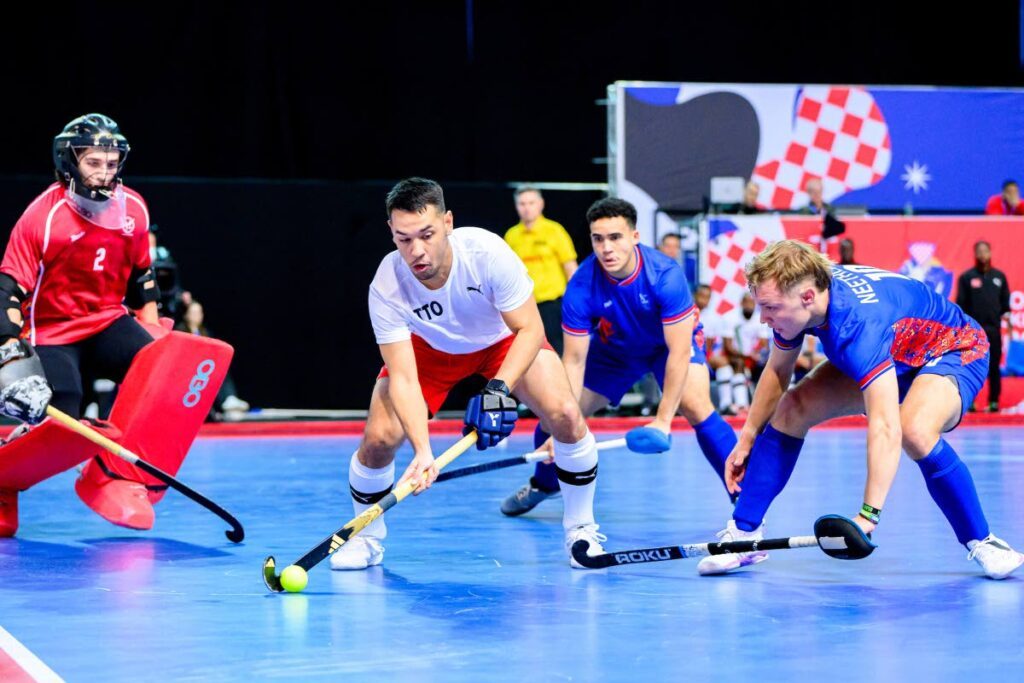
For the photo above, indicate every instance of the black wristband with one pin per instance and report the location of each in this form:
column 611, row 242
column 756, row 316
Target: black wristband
column 496, row 386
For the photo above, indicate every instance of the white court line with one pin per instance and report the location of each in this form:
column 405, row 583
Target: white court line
column 24, row 658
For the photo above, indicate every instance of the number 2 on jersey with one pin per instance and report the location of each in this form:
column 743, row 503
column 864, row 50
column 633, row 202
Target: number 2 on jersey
column 101, row 254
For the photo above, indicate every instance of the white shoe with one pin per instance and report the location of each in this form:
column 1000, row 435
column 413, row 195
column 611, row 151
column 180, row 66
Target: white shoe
column 995, row 556
column 358, row 553
column 723, row 564
column 233, row 403
column 233, row 415
column 584, row 532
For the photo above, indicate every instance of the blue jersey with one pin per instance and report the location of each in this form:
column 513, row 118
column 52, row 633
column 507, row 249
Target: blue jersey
column 628, row 315
column 879, row 320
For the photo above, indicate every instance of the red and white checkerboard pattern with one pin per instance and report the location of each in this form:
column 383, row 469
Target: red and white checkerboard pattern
column 839, row 136
column 728, row 255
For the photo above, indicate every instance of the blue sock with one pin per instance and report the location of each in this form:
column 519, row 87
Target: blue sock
column 952, row 488
column 772, row 460
column 545, row 476
column 716, row 440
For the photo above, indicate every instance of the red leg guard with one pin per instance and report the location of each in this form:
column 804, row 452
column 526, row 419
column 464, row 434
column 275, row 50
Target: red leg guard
column 158, row 331
column 163, row 401
column 44, row 451
column 119, row 501
column 8, row 512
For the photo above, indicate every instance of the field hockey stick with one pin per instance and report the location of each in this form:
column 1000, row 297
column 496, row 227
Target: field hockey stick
column 342, row 535
column 535, row 456
column 235, row 534
column 837, row 536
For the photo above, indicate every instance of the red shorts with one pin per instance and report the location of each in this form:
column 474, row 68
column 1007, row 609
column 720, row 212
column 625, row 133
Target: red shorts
column 439, row 371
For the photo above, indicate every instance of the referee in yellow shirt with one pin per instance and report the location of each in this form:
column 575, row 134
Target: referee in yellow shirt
column 546, row 249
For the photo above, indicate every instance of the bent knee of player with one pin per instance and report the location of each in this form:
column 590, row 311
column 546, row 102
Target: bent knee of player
column 695, row 406
column 566, row 421
column 919, row 434
column 378, row 447
column 794, row 414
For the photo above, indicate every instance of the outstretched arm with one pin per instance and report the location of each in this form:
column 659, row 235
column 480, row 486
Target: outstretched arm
column 679, row 339
column 885, row 436
column 407, row 399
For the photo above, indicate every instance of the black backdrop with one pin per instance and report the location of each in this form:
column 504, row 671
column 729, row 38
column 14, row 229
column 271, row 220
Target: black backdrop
column 356, row 90
column 224, row 102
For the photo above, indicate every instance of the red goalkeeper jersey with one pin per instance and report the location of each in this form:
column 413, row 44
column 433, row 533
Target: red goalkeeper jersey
column 76, row 273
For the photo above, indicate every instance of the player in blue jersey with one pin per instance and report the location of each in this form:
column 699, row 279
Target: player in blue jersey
column 897, row 351
column 628, row 311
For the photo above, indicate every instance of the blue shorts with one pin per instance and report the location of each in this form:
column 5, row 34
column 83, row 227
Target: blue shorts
column 969, row 378
column 612, row 371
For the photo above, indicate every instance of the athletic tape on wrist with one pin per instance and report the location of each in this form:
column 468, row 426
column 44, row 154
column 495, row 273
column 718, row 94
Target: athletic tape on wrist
column 872, row 514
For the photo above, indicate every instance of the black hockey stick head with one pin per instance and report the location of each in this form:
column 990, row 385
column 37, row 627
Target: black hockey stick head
column 236, row 534
column 270, row 576
column 842, row 539
column 579, row 553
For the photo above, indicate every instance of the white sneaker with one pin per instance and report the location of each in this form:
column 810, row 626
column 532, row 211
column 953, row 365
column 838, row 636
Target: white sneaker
column 995, row 556
column 723, row 564
column 358, row 553
column 584, row 532
column 233, row 403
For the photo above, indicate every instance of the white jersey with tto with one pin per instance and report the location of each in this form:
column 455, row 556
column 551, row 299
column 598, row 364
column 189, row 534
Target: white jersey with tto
column 464, row 315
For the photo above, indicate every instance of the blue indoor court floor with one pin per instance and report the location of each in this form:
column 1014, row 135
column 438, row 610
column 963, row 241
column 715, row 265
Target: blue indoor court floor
column 466, row 594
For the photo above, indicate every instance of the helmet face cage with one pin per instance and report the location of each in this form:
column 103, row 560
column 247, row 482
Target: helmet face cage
column 85, row 132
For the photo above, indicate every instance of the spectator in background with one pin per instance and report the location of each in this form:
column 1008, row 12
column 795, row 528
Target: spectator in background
column 701, row 298
column 1006, row 204
column 810, row 355
column 547, row 250
column 745, row 342
column 714, row 347
column 749, row 205
column 984, row 295
column 173, row 298
column 156, row 252
column 816, row 205
column 846, row 252
column 227, row 402
column 671, row 246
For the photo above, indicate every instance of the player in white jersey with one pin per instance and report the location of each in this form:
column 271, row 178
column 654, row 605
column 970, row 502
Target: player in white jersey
column 446, row 305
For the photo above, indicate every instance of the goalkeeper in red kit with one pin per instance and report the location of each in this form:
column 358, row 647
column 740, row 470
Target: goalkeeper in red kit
column 77, row 261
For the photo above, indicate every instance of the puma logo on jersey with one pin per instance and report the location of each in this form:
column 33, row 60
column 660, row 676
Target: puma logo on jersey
column 607, row 304
column 477, row 289
column 75, row 238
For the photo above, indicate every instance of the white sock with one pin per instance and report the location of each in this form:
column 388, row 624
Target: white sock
column 724, row 376
column 578, row 500
column 739, row 390
column 367, row 480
